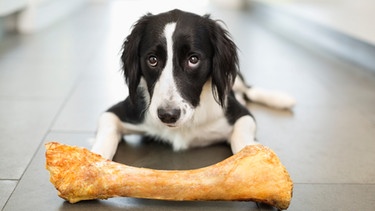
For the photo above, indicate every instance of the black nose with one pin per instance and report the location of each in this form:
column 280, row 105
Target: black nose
column 167, row 115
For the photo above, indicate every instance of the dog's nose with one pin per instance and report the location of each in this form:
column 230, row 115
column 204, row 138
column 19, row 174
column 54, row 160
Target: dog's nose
column 167, row 115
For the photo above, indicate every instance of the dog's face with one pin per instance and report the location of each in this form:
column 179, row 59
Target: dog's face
column 177, row 54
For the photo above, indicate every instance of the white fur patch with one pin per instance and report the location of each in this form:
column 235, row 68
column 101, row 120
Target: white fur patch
column 274, row 99
column 207, row 125
column 243, row 133
column 165, row 90
column 108, row 135
column 270, row 98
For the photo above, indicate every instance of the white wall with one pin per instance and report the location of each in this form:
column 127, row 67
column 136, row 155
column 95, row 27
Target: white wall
column 29, row 16
column 41, row 13
column 353, row 17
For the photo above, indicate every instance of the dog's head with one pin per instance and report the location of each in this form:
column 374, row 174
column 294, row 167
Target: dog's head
column 176, row 53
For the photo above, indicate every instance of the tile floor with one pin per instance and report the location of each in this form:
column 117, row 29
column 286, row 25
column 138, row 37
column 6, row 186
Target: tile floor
column 54, row 85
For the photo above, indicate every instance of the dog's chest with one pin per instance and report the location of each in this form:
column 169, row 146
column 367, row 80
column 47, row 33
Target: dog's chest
column 192, row 135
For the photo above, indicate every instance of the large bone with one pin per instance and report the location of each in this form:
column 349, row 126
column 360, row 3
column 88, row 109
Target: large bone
column 253, row 174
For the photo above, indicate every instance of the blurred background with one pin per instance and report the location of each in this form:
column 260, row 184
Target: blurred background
column 339, row 26
column 60, row 69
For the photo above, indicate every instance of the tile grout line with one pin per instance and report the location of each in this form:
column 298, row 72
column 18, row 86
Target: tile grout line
column 48, row 130
column 72, row 131
column 332, row 183
column 66, row 98
column 14, row 180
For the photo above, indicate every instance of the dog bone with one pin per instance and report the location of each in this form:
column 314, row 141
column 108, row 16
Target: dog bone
column 253, row 174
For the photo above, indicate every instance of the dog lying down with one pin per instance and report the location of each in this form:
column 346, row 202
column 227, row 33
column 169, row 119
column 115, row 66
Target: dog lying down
column 183, row 79
column 185, row 89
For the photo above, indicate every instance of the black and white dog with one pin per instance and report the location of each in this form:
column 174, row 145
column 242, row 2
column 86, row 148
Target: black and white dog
column 184, row 87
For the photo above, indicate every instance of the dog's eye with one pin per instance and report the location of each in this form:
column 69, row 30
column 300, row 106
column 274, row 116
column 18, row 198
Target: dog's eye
column 152, row 61
column 193, row 61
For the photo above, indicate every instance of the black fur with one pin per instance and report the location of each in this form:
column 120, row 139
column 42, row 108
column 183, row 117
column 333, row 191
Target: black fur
column 225, row 61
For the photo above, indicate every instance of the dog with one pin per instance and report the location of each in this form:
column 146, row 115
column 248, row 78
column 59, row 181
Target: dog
column 185, row 88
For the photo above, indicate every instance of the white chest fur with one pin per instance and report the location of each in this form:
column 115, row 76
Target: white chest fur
column 207, row 125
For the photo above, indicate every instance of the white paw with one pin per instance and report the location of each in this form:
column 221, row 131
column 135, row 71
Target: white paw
column 270, row 98
column 281, row 100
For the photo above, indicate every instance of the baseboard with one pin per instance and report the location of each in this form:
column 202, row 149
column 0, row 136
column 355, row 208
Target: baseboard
column 2, row 29
column 313, row 35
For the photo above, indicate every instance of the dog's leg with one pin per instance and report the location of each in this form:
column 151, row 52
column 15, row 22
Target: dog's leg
column 108, row 135
column 270, row 98
column 243, row 133
column 275, row 99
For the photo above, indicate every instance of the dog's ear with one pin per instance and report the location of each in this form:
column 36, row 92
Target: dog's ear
column 224, row 62
column 130, row 56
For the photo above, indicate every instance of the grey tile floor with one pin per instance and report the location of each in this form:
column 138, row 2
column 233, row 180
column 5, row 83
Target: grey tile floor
column 54, row 85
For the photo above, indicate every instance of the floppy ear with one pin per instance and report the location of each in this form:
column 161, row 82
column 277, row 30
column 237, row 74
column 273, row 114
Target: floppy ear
column 130, row 57
column 224, row 62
